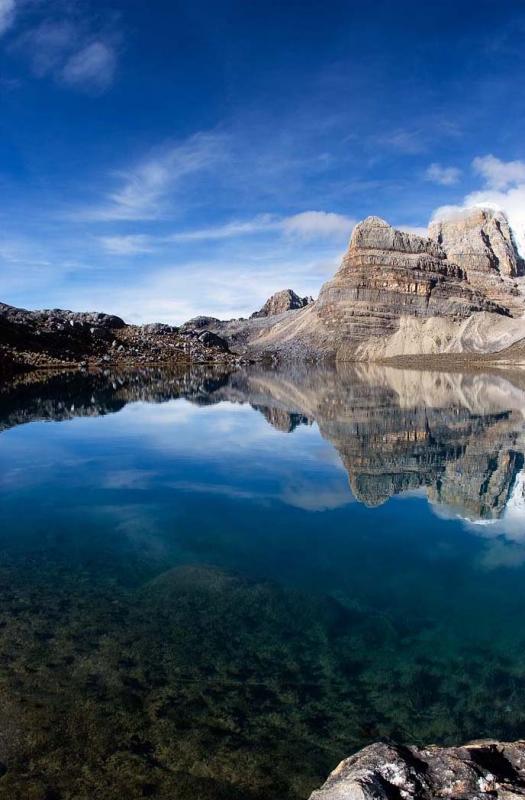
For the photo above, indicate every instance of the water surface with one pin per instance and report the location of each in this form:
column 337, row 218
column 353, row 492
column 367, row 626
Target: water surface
column 217, row 585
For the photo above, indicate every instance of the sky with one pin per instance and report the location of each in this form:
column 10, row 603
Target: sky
column 166, row 159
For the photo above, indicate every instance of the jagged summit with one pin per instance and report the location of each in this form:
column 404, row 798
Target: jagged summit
column 375, row 233
column 278, row 303
column 480, row 240
column 395, row 293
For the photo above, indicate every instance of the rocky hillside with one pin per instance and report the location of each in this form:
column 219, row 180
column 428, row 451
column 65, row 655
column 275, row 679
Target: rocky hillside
column 398, row 294
column 486, row 769
column 56, row 338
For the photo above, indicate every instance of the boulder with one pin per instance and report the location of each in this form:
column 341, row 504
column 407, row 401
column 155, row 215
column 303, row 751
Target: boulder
column 158, row 328
column 210, row 339
column 198, row 323
column 485, row 769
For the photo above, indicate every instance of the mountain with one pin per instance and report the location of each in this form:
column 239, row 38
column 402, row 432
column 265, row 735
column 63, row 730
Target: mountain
column 481, row 241
column 458, row 293
column 398, row 294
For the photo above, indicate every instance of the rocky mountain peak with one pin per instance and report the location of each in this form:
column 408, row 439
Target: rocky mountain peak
column 375, row 233
column 278, row 303
column 480, row 239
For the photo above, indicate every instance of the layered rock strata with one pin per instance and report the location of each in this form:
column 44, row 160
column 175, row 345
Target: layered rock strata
column 482, row 243
column 395, row 294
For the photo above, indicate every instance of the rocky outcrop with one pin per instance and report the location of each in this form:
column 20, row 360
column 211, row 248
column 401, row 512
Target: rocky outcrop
column 398, row 294
column 286, row 300
column 484, row 769
column 43, row 339
column 481, row 241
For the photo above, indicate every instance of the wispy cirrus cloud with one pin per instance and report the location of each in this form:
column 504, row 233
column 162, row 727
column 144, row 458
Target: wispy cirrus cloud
column 7, row 14
column 407, row 141
column 318, row 224
column 74, row 50
column 145, row 186
column 306, row 226
column 127, row 245
column 444, row 176
column 91, row 67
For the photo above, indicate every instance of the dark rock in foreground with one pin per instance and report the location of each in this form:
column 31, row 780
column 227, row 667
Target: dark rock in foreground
column 44, row 339
column 484, row 769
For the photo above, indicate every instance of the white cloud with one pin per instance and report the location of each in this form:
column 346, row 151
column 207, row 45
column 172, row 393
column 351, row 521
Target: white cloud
column 445, row 176
column 308, row 226
column 504, row 190
column 93, row 67
column 7, row 14
column 229, row 285
column 499, row 174
column 318, row 224
column 144, row 187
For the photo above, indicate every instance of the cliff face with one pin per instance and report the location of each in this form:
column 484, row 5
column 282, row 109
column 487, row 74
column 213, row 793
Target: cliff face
column 387, row 273
column 481, row 241
column 396, row 294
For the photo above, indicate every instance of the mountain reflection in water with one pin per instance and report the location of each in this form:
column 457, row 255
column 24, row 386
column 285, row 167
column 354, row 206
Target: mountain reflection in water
column 199, row 604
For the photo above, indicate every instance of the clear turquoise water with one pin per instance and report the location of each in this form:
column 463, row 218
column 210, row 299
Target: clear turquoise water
column 217, row 586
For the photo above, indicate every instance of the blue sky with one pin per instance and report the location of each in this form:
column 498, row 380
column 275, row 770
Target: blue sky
column 171, row 158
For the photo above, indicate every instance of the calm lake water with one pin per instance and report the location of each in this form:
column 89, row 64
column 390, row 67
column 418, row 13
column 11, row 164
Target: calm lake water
column 217, row 585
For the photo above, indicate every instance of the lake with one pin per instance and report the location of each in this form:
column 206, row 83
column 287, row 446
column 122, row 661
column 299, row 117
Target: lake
column 217, row 584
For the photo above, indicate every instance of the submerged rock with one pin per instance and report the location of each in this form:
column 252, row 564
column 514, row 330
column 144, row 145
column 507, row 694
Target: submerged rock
column 485, row 769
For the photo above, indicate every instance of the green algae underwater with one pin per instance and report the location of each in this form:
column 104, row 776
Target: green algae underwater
column 219, row 584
